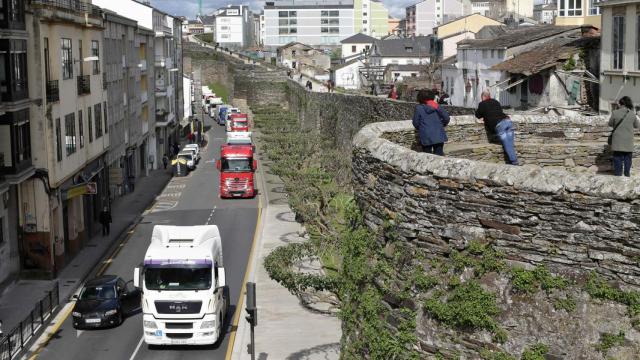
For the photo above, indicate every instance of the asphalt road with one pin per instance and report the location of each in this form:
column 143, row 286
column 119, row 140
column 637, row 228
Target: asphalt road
column 191, row 200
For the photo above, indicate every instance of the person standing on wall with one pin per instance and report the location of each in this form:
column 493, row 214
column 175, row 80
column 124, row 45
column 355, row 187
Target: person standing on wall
column 497, row 122
column 429, row 119
column 105, row 220
column 623, row 121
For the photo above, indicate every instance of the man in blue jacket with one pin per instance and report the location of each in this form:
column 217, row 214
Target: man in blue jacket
column 429, row 119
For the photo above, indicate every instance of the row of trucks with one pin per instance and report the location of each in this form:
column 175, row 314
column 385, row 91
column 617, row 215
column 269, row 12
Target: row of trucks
column 236, row 164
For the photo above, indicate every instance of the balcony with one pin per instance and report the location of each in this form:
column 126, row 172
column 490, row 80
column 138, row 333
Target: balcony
column 83, row 13
column 143, row 65
column 53, row 91
column 162, row 30
column 84, row 84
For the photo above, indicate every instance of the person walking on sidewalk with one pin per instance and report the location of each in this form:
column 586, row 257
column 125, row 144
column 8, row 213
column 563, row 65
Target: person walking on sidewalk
column 105, row 220
column 165, row 161
column 623, row 121
column 430, row 120
column 497, row 122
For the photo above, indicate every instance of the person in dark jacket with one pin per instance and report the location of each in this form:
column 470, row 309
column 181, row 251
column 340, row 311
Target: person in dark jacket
column 429, row 119
column 497, row 122
column 623, row 120
column 105, row 220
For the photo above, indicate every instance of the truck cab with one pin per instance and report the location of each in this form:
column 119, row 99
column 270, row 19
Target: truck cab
column 184, row 294
column 222, row 114
column 239, row 122
column 237, row 168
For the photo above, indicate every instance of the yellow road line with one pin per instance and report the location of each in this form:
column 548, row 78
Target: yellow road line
column 54, row 330
column 236, row 315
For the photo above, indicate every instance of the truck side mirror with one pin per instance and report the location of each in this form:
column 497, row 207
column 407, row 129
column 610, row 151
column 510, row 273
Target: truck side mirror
column 255, row 164
column 218, row 164
column 222, row 279
column 136, row 277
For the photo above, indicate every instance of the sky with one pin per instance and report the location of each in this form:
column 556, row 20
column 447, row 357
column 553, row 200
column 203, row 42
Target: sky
column 189, row 8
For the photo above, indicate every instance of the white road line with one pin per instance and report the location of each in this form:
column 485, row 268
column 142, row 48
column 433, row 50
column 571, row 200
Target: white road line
column 135, row 352
column 78, row 333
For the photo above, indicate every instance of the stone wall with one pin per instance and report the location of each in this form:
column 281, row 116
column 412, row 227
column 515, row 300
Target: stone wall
column 572, row 223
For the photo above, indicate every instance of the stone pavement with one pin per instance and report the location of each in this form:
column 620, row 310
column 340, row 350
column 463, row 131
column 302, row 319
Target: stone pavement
column 18, row 299
column 286, row 330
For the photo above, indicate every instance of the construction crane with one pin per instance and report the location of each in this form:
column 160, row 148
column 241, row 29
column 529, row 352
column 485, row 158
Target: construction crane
column 199, row 7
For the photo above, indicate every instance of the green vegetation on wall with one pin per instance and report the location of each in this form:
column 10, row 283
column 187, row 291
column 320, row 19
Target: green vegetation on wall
column 221, row 91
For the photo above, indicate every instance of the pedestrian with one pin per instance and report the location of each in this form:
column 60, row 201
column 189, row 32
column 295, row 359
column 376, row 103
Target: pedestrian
column 289, row 74
column 332, row 86
column 105, row 220
column 393, row 93
column 429, row 119
column 165, row 161
column 176, row 148
column 623, row 121
column 444, row 99
column 328, row 85
column 497, row 122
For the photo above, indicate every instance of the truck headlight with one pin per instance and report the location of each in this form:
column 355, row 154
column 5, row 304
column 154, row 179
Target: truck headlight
column 208, row 324
column 110, row 312
column 76, row 314
column 149, row 324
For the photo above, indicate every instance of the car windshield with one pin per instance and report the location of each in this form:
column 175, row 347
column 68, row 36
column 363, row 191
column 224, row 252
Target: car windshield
column 98, row 292
column 236, row 164
column 185, row 156
column 177, row 278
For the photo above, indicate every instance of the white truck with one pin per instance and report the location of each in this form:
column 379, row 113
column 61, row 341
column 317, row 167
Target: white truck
column 184, row 295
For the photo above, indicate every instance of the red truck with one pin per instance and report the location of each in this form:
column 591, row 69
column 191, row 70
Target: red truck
column 237, row 168
column 239, row 122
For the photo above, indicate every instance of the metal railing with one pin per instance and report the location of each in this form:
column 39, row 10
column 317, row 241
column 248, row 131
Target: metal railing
column 84, row 84
column 76, row 6
column 15, row 340
column 53, row 91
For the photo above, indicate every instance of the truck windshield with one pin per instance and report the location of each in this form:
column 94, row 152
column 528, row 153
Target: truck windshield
column 177, row 278
column 236, row 165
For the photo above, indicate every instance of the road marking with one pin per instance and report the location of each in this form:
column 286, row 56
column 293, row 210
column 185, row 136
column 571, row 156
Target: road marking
column 53, row 329
column 239, row 310
column 211, row 215
column 135, row 352
column 78, row 333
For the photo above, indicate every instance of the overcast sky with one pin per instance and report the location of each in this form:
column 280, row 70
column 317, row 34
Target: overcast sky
column 189, row 8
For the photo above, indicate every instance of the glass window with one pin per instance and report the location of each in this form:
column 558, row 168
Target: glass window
column 570, row 8
column 80, row 129
column 81, row 55
column 70, row 133
column 106, row 124
column 67, row 59
column 324, row 13
column 283, row 13
column 283, row 22
column 353, row 48
column 97, row 115
column 593, row 8
column 95, row 51
column 58, row 140
column 13, row 70
column 334, row 13
column 90, row 123
column 618, row 42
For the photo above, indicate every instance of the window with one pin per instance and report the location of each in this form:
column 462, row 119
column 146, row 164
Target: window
column 90, row 123
column 80, row 129
column 12, row 14
column 70, row 133
column 13, row 70
column 364, row 21
column 617, row 50
column 58, row 140
column 106, row 124
column 594, row 9
column 570, row 8
column 493, row 53
column 97, row 115
column 67, row 59
column 353, row 48
column 95, row 51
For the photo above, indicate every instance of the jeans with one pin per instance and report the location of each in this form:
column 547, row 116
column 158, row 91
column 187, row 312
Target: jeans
column 622, row 160
column 437, row 149
column 105, row 229
column 504, row 131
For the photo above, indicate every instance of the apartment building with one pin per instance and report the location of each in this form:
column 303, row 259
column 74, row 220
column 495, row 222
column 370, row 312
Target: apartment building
column 129, row 52
column 234, row 27
column 425, row 15
column 371, row 17
column 16, row 161
column 167, row 52
column 578, row 12
column 311, row 22
column 620, row 52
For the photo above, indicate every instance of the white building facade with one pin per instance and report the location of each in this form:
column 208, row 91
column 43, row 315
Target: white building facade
column 234, row 27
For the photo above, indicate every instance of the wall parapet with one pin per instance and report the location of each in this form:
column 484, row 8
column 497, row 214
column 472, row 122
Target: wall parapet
column 573, row 223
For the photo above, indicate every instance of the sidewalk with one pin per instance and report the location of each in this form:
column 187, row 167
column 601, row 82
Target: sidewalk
column 286, row 330
column 19, row 298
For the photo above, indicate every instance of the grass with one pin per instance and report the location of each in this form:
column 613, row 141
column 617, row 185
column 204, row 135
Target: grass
column 535, row 352
column 221, row 91
column 530, row 281
column 206, row 37
column 608, row 341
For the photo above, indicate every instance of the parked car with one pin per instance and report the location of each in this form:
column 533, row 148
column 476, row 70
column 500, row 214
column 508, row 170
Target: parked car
column 193, row 151
column 196, row 148
column 104, row 301
column 189, row 157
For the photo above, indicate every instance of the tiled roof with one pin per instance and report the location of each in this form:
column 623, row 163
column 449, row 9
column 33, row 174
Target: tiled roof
column 516, row 37
column 359, row 38
column 420, row 46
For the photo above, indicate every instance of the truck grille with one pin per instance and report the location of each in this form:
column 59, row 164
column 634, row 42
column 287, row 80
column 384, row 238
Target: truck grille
column 179, row 335
column 170, row 325
column 178, row 307
column 237, row 184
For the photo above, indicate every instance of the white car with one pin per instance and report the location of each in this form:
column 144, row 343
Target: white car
column 190, row 159
column 194, row 147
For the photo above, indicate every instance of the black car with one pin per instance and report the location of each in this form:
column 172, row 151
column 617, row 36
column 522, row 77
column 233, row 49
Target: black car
column 104, row 301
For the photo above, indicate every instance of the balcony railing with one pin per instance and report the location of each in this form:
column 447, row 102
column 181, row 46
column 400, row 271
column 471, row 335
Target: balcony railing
column 53, row 91
column 84, row 84
column 76, row 6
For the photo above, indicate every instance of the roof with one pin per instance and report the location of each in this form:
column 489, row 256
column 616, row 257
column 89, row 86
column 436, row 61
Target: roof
column 398, row 67
column 208, row 19
column 462, row 18
column 492, row 31
column 516, row 37
column 341, row 66
column 102, row 280
column 617, row 2
column 547, row 55
column 359, row 38
column 244, row 151
column 286, row 46
column 419, row 46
